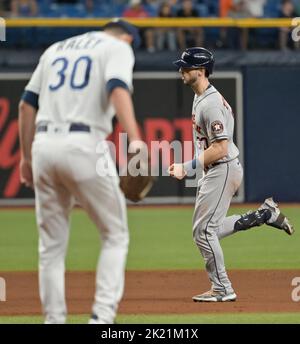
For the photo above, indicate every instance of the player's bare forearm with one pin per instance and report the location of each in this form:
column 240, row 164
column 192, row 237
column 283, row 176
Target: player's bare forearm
column 122, row 102
column 27, row 115
column 215, row 152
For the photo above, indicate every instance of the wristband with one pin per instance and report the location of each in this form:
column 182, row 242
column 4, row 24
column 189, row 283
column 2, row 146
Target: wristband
column 191, row 166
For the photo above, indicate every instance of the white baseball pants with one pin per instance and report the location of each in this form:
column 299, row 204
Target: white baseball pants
column 64, row 169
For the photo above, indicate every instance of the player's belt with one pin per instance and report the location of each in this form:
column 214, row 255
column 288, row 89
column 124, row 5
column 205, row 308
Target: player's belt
column 220, row 163
column 73, row 127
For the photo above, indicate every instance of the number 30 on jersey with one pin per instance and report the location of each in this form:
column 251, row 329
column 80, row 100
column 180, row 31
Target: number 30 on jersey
column 80, row 74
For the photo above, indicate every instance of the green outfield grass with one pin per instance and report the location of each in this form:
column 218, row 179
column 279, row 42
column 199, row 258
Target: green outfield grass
column 160, row 239
column 261, row 318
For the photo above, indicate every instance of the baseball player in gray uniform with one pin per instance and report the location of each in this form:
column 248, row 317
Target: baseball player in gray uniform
column 217, row 156
column 66, row 112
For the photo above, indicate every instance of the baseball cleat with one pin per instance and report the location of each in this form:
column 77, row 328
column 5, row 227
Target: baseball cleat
column 277, row 219
column 214, row 296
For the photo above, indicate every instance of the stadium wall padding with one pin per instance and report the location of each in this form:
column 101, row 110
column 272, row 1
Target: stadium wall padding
column 271, row 133
column 271, row 124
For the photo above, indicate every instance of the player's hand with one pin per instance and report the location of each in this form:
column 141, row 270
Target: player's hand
column 177, row 171
column 26, row 173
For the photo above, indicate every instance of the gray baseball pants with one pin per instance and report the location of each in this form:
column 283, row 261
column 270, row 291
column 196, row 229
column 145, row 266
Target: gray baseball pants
column 210, row 224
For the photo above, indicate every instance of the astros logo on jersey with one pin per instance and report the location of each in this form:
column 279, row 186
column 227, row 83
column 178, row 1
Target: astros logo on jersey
column 217, row 127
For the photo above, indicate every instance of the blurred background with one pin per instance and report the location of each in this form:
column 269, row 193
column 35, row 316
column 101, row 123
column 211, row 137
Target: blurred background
column 158, row 39
column 257, row 51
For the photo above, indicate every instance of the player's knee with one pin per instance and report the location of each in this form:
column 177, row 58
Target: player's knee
column 199, row 228
column 199, row 236
column 54, row 249
column 50, row 258
column 116, row 239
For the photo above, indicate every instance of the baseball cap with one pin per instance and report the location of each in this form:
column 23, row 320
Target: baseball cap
column 127, row 27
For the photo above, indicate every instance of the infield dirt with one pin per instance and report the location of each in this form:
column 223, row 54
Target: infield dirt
column 160, row 292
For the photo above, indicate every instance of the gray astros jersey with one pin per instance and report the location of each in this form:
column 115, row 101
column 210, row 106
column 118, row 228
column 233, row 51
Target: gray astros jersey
column 212, row 120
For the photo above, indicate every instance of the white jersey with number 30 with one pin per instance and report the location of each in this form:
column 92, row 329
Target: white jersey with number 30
column 71, row 79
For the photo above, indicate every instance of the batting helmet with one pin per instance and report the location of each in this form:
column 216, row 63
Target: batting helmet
column 196, row 57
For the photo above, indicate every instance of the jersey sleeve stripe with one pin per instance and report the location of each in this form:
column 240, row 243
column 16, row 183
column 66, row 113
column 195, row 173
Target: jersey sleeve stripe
column 31, row 98
column 223, row 137
column 113, row 83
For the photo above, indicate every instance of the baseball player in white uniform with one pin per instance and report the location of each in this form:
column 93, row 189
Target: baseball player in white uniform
column 66, row 110
column 217, row 156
